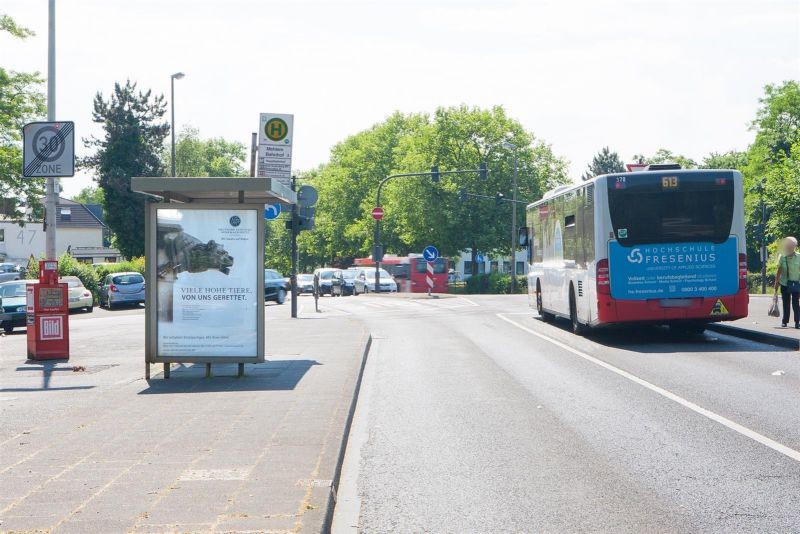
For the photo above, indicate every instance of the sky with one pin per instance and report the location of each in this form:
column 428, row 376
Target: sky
column 632, row 75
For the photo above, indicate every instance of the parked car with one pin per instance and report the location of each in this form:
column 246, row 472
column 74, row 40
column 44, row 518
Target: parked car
column 275, row 286
column 305, row 283
column 365, row 281
column 79, row 296
column 9, row 272
column 122, row 288
column 325, row 279
column 12, row 300
column 346, row 283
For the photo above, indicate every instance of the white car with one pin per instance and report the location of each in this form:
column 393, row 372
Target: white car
column 79, row 296
column 365, row 282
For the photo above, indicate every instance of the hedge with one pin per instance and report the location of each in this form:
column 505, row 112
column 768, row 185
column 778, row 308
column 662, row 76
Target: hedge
column 494, row 283
column 90, row 276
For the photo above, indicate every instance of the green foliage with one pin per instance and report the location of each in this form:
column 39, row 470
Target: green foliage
column 131, row 146
column 69, row 266
column 205, row 157
column 7, row 24
column 90, row 195
column 419, row 212
column 21, row 101
column 664, row 155
column 494, row 283
column 733, row 159
column 773, row 167
column 132, row 265
column 754, row 282
column 605, row 162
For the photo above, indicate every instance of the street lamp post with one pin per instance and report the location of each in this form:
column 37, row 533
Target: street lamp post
column 763, row 250
column 176, row 76
column 515, row 148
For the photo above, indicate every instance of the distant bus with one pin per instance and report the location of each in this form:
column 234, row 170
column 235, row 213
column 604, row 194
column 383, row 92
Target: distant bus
column 660, row 246
column 410, row 272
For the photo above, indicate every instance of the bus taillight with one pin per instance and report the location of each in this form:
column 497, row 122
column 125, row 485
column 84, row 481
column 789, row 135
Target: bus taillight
column 742, row 271
column 603, row 280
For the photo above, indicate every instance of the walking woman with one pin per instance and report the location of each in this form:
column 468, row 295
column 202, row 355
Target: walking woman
column 788, row 277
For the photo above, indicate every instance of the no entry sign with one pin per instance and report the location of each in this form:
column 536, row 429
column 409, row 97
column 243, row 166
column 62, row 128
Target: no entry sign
column 377, row 213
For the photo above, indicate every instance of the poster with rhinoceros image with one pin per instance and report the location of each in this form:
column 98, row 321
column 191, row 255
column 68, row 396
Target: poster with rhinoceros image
column 207, row 282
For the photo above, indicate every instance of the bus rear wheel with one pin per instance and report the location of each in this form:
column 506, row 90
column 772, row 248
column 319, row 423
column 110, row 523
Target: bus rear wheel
column 577, row 327
column 546, row 317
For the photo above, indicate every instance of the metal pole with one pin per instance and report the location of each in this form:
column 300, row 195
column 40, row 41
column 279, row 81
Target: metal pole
column 50, row 190
column 253, row 149
column 514, row 225
column 294, row 252
column 172, row 105
column 376, row 250
column 763, row 240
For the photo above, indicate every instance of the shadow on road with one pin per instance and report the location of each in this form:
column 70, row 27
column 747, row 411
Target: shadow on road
column 661, row 339
column 47, row 368
column 279, row 375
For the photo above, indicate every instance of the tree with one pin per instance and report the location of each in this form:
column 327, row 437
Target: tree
column 419, row 212
column 90, row 195
column 21, row 101
column 605, row 162
column 664, row 155
column 773, row 159
column 131, row 146
column 205, row 157
column 733, row 159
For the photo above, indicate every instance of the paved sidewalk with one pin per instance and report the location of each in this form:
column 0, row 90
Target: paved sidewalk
column 757, row 318
column 98, row 449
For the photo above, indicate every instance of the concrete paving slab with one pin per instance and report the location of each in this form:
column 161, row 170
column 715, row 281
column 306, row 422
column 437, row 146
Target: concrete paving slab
column 105, row 451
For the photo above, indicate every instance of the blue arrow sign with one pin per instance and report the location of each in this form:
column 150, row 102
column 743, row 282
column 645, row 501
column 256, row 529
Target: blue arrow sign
column 430, row 253
column 271, row 211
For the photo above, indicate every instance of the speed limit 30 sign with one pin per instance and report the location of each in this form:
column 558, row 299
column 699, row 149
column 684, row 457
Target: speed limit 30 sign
column 49, row 149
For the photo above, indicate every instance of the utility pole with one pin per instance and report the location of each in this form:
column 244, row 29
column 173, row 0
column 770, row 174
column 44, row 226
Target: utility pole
column 513, row 263
column 293, row 277
column 176, row 76
column 51, row 198
column 763, row 236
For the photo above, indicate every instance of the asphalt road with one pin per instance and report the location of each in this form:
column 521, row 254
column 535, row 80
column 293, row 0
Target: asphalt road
column 476, row 416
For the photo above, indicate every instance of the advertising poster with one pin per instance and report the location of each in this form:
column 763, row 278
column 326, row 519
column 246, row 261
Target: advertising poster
column 673, row 270
column 207, row 298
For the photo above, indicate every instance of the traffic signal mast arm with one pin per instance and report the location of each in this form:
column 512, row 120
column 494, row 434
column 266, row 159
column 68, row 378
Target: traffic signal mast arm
column 434, row 173
column 498, row 197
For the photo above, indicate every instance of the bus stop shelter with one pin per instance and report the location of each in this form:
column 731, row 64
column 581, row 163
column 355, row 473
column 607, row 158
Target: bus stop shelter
column 204, row 246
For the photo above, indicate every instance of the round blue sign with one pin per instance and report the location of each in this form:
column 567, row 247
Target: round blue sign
column 271, row 211
column 430, row 253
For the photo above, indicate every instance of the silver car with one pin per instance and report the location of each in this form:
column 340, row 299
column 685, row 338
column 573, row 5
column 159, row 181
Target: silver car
column 9, row 272
column 122, row 288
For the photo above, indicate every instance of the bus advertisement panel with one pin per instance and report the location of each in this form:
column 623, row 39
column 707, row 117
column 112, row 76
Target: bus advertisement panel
column 674, row 270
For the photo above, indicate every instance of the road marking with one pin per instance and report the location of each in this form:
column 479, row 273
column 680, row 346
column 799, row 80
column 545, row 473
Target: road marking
column 755, row 436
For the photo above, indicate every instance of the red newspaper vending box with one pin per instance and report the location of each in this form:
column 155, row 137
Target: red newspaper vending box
column 47, row 310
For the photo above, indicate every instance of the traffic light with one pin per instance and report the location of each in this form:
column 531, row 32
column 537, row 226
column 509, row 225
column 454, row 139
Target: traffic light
column 498, row 199
column 484, row 172
column 462, row 195
column 435, row 173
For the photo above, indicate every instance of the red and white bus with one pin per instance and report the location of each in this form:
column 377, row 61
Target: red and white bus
column 660, row 246
column 410, row 272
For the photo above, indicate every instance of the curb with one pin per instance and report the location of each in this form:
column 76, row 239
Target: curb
column 753, row 335
column 337, row 474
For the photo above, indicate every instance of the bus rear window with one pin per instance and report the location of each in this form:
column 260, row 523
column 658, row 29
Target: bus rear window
column 671, row 208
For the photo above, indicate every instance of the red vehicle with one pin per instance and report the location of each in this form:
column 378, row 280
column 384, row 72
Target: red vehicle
column 411, row 272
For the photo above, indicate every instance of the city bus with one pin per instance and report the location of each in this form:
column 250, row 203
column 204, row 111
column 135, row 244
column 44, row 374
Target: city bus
column 410, row 272
column 657, row 246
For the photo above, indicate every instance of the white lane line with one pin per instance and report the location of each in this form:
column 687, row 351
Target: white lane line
column 755, row 436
